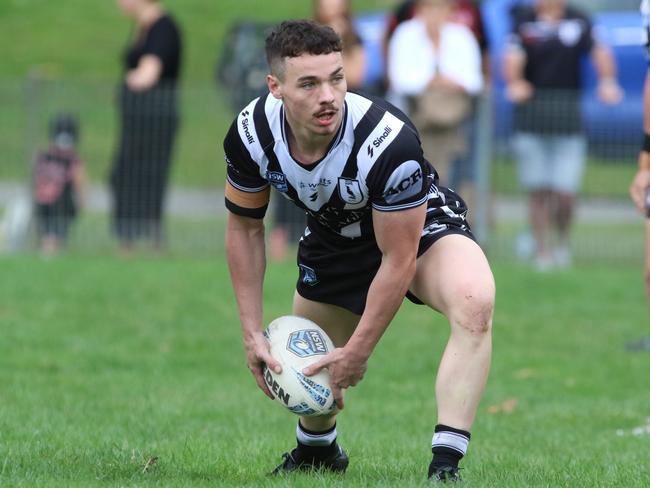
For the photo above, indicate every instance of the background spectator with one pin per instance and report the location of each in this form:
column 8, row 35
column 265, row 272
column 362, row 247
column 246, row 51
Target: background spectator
column 468, row 13
column 543, row 75
column 148, row 123
column 436, row 64
column 337, row 14
column 59, row 181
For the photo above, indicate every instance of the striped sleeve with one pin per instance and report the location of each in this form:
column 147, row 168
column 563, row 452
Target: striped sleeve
column 246, row 192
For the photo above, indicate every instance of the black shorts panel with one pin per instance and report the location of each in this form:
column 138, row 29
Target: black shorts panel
column 340, row 274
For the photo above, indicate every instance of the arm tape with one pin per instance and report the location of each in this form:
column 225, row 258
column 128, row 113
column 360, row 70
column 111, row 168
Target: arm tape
column 646, row 143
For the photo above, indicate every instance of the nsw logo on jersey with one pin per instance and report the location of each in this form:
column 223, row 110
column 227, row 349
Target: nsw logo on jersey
column 278, row 180
column 350, row 190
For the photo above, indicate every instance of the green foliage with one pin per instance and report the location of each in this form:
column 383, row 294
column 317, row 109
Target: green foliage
column 132, row 373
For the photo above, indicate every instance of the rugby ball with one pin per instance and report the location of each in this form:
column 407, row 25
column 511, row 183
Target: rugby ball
column 295, row 343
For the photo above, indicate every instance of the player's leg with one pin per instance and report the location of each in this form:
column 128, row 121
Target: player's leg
column 316, row 436
column 453, row 277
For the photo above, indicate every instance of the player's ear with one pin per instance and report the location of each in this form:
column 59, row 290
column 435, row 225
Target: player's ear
column 275, row 87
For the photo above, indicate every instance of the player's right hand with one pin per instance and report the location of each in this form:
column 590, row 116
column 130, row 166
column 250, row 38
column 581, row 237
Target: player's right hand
column 639, row 189
column 519, row 91
column 258, row 355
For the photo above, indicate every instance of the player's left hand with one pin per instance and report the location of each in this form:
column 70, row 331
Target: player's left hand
column 346, row 369
column 610, row 92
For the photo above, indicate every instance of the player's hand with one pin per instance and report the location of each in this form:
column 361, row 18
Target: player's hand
column 519, row 91
column 609, row 92
column 257, row 355
column 346, row 369
column 639, row 189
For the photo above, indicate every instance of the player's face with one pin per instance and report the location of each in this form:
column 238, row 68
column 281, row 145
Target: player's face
column 312, row 91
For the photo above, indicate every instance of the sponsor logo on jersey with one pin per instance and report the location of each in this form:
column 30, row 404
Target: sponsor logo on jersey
column 278, row 180
column 308, row 275
column 379, row 140
column 306, row 343
column 350, row 190
column 245, row 121
column 324, row 182
column 406, row 181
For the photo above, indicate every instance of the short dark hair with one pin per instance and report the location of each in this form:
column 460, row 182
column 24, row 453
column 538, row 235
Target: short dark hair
column 64, row 124
column 293, row 38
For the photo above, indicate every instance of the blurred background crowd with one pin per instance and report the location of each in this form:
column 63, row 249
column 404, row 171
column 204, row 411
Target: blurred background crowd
column 531, row 109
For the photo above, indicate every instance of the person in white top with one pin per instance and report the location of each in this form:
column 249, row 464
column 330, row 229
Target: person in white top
column 430, row 52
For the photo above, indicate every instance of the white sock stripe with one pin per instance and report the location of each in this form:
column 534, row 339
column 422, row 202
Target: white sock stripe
column 315, row 439
column 452, row 440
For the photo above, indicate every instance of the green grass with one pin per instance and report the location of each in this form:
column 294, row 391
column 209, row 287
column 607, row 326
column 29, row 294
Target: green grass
column 106, row 364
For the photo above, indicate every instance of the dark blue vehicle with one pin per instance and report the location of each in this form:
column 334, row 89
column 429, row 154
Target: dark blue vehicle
column 617, row 23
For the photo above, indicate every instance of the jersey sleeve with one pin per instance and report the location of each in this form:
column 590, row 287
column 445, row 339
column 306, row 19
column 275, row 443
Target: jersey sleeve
column 400, row 178
column 247, row 193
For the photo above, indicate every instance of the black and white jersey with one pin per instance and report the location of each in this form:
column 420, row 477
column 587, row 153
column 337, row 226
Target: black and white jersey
column 374, row 162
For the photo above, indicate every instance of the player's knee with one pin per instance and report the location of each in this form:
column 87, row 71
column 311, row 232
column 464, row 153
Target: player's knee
column 473, row 310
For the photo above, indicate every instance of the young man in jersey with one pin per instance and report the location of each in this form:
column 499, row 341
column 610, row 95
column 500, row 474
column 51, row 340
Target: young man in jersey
column 379, row 228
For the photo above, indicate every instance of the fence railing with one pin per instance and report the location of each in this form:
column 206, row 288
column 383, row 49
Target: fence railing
column 193, row 207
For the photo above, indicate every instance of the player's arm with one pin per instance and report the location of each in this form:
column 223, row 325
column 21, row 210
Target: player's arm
column 608, row 89
column 398, row 235
column 146, row 74
column 247, row 263
column 641, row 182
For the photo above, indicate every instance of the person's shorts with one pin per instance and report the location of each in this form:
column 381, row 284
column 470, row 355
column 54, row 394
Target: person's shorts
column 647, row 204
column 552, row 162
column 341, row 273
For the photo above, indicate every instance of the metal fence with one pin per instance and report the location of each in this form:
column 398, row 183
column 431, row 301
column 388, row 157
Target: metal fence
column 194, row 214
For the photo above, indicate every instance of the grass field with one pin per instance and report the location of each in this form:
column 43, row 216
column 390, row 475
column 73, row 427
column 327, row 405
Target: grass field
column 131, row 373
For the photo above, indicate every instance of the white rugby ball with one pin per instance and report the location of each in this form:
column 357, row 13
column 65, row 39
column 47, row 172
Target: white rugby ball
column 295, row 343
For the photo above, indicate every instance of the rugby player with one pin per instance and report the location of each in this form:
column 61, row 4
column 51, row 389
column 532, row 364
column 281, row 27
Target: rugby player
column 379, row 228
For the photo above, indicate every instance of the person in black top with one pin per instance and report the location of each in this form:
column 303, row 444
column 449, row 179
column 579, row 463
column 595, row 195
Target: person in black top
column 542, row 69
column 148, row 123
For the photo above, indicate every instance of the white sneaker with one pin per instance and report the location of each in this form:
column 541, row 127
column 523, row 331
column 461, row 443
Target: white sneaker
column 562, row 257
column 544, row 263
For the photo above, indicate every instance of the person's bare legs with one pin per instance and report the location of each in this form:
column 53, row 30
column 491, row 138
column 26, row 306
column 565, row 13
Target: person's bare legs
column 539, row 208
column 454, row 277
column 563, row 218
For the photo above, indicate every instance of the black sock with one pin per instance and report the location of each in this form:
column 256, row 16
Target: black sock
column 449, row 445
column 316, row 445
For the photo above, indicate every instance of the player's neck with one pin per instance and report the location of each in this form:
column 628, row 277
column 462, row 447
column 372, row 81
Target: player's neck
column 307, row 147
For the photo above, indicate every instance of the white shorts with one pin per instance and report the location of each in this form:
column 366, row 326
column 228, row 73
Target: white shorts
column 553, row 162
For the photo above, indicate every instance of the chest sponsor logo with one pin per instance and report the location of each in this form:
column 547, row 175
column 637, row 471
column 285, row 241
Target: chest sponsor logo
column 570, row 32
column 278, row 180
column 313, row 185
column 245, row 121
column 350, row 190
